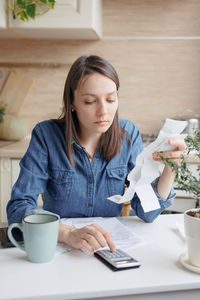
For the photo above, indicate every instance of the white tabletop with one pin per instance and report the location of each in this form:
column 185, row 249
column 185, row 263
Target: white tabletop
column 74, row 275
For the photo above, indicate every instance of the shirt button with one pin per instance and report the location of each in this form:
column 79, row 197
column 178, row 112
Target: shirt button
column 90, row 205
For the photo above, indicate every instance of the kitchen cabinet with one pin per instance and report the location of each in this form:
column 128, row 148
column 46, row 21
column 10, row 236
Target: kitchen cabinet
column 9, row 171
column 70, row 19
column 10, row 156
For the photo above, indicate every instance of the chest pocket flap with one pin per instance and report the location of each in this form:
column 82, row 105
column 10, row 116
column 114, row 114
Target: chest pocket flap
column 116, row 180
column 117, row 173
column 60, row 177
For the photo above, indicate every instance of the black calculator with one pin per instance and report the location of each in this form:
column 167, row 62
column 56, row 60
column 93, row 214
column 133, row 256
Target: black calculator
column 118, row 260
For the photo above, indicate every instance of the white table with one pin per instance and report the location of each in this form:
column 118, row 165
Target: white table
column 74, row 275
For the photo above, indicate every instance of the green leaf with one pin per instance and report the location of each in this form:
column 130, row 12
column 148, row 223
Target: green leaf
column 24, row 9
column 43, row 1
column 51, row 3
column 28, row 2
column 22, row 15
column 21, row 3
column 30, row 10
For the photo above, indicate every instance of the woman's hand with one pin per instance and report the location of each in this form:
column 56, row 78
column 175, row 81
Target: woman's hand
column 90, row 237
column 166, row 179
column 176, row 154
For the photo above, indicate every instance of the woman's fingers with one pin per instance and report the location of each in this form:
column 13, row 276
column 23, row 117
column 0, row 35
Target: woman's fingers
column 175, row 154
column 179, row 142
column 94, row 240
column 86, row 246
column 107, row 237
column 91, row 237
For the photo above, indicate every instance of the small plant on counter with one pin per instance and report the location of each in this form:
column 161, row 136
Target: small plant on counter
column 184, row 178
column 2, row 111
column 25, row 9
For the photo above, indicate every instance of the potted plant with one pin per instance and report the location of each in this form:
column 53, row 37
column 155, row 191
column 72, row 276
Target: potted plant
column 186, row 181
column 25, row 9
column 2, row 111
column 12, row 128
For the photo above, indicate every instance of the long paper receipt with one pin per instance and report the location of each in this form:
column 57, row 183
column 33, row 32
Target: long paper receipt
column 147, row 170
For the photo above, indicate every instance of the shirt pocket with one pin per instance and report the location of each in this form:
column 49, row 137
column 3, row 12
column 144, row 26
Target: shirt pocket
column 116, row 178
column 60, row 183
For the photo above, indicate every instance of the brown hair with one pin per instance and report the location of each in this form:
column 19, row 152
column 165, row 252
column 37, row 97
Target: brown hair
column 111, row 140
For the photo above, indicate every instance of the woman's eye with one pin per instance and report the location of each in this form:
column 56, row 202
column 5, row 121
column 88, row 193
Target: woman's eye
column 111, row 100
column 89, row 102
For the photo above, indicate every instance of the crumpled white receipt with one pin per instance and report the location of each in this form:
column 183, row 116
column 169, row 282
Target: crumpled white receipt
column 147, row 170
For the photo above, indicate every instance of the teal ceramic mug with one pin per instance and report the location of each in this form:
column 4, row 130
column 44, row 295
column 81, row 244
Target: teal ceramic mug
column 40, row 233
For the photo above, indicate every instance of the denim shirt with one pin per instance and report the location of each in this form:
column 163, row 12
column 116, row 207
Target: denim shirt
column 75, row 192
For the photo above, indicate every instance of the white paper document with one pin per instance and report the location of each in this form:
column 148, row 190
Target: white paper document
column 123, row 237
column 147, row 170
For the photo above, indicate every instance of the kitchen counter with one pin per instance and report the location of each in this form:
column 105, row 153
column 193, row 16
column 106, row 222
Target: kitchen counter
column 5, row 143
column 10, row 149
column 18, row 149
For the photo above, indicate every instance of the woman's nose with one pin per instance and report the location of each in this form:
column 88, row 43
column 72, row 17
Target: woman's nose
column 102, row 108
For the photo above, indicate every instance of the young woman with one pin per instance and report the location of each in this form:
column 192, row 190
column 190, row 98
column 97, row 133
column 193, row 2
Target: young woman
column 84, row 157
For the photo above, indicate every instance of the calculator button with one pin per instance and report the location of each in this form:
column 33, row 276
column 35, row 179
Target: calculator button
column 118, row 255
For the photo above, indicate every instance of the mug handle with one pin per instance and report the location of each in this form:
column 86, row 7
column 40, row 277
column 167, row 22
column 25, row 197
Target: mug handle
column 12, row 239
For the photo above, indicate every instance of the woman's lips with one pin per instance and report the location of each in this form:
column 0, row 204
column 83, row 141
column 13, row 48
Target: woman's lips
column 102, row 123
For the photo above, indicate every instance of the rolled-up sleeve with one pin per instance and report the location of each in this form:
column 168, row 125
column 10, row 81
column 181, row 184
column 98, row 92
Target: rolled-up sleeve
column 152, row 215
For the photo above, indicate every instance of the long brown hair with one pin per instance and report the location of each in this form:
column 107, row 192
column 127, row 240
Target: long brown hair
column 111, row 140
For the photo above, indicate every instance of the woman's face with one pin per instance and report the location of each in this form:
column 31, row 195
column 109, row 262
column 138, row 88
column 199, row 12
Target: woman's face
column 95, row 103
